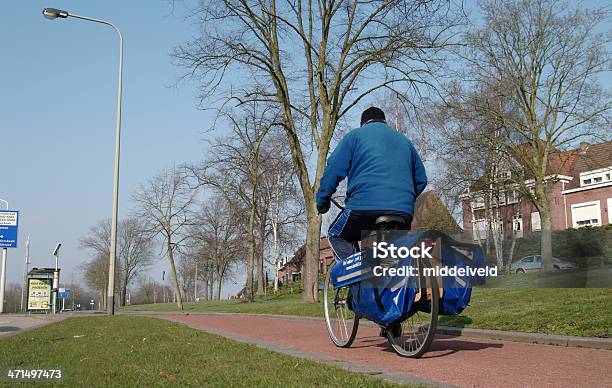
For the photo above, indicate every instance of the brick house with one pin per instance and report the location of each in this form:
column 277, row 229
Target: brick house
column 290, row 267
column 581, row 195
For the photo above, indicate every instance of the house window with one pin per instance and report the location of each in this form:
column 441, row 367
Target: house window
column 517, row 223
column 595, row 176
column 586, row 214
column 480, row 230
column 477, row 202
column 536, row 223
column 512, row 196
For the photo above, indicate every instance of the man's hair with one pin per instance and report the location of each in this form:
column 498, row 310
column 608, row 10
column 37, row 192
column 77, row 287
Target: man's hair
column 372, row 114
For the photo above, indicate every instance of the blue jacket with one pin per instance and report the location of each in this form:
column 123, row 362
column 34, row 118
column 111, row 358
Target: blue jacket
column 384, row 170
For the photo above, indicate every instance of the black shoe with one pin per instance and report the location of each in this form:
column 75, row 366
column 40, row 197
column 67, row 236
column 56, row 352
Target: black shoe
column 396, row 329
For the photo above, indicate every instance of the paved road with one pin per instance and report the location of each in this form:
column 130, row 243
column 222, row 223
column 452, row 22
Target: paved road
column 11, row 324
column 456, row 361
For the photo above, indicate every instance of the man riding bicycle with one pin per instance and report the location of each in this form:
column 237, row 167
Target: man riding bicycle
column 385, row 176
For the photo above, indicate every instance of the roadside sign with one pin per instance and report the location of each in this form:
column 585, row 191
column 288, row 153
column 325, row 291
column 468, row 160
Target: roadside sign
column 8, row 228
column 64, row 293
column 39, row 294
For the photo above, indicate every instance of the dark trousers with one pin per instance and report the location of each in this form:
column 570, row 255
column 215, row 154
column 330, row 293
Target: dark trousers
column 347, row 229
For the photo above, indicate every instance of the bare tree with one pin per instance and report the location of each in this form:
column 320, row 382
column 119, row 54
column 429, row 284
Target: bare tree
column 540, row 59
column 218, row 239
column 95, row 274
column 165, row 206
column 316, row 60
column 234, row 168
column 279, row 195
column 134, row 253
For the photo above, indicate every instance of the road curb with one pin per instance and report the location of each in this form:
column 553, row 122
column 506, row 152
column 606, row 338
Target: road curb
column 513, row 336
column 533, row 338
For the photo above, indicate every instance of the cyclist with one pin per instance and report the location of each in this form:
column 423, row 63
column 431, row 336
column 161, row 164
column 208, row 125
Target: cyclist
column 385, row 175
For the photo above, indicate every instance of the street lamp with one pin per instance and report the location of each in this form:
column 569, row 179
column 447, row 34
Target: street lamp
column 56, row 277
column 52, row 13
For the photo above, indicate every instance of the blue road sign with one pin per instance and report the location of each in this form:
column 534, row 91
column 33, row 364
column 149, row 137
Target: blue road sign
column 67, row 293
column 8, row 228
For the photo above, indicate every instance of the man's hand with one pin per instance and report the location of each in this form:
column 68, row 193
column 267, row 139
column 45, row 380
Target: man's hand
column 323, row 208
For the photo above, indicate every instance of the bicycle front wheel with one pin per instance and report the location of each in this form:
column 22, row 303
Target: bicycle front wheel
column 342, row 322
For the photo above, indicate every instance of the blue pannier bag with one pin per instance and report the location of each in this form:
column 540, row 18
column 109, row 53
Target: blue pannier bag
column 457, row 290
column 390, row 299
column 384, row 299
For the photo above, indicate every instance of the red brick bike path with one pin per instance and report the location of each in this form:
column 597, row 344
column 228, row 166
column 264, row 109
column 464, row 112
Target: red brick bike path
column 458, row 361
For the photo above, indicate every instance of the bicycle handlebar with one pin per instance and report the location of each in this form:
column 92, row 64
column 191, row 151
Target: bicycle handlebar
column 337, row 204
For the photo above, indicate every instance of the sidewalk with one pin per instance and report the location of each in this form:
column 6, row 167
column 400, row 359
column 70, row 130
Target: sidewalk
column 456, row 361
column 12, row 324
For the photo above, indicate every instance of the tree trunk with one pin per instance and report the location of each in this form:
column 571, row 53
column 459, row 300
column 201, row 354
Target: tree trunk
column 261, row 284
column 311, row 261
column 124, row 289
column 546, row 237
column 204, row 285
column 219, row 283
column 276, row 253
column 251, row 250
column 211, row 283
column 179, row 299
column 511, row 253
column 545, row 225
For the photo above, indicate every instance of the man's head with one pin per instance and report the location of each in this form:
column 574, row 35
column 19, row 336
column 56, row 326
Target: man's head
column 372, row 114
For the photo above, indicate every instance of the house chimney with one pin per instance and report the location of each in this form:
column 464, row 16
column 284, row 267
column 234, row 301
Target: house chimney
column 584, row 146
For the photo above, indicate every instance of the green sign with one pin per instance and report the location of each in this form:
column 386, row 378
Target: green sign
column 39, row 294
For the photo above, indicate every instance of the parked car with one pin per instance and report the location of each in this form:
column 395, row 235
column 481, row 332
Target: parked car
column 534, row 264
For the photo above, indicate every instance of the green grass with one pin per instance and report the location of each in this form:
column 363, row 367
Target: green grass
column 285, row 304
column 564, row 311
column 128, row 351
column 576, row 278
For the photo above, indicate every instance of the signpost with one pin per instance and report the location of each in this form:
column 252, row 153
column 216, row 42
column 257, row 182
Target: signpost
column 8, row 239
column 8, row 228
column 64, row 293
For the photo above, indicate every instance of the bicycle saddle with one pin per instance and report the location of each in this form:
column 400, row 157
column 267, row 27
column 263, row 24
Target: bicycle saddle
column 387, row 220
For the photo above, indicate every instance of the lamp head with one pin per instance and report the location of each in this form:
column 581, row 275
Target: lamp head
column 56, row 250
column 54, row 13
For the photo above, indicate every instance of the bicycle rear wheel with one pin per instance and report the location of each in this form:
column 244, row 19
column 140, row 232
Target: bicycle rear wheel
column 413, row 336
column 342, row 322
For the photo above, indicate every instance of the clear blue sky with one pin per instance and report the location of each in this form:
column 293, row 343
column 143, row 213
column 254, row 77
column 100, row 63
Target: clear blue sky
column 57, row 117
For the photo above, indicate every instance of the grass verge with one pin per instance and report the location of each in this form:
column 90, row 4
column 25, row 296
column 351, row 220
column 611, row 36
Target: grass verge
column 128, row 351
column 564, row 311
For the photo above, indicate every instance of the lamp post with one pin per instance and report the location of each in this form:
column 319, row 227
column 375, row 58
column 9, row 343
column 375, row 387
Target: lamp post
column 52, row 13
column 3, row 269
column 56, row 277
column 24, row 281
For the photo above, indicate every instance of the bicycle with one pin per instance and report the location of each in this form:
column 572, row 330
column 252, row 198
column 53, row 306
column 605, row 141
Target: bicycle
column 412, row 336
